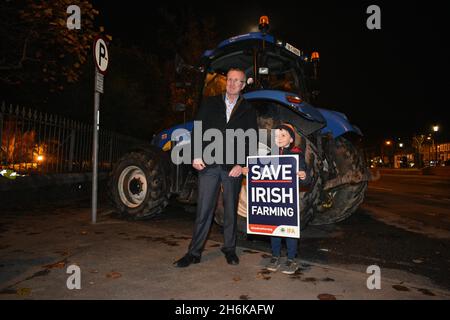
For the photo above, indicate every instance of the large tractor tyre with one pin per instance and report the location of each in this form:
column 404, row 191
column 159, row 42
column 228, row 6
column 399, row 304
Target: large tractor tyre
column 138, row 187
column 189, row 188
column 310, row 194
column 340, row 202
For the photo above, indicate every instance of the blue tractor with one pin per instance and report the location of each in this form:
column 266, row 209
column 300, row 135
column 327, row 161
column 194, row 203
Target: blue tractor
column 281, row 85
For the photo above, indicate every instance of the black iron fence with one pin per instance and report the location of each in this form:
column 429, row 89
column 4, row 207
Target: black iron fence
column 36, row 142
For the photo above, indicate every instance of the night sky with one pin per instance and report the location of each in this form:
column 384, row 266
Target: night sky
column 391, row 82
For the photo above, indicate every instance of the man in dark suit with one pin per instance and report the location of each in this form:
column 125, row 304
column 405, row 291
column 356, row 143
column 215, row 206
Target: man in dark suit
column 226, row 111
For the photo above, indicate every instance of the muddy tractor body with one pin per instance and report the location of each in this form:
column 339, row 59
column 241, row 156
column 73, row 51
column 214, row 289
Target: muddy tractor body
column 281, row 86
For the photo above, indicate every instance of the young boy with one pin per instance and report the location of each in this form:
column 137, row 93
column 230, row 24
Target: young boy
column 285, row 140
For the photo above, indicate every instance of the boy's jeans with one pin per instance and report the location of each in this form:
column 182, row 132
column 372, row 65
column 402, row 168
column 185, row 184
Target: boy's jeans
column 291, row 244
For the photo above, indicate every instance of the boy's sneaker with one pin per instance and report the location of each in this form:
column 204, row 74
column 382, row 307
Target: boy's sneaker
column 273, row 264
column 290, row 267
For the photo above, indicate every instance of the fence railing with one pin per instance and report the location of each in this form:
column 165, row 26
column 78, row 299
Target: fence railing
column 36, row 142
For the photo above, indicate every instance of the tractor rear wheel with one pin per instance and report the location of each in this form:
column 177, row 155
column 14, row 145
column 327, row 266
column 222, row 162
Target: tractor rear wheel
column 340, row 202
column 138, row 186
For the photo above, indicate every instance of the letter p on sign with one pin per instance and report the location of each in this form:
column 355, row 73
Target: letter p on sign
column 101, row 55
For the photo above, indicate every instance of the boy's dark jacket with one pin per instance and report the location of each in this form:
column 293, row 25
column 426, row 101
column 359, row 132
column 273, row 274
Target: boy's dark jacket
column 301, row 161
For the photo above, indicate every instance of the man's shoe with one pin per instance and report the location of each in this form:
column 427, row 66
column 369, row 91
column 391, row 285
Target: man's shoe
column 232, row 258
column 186, row 261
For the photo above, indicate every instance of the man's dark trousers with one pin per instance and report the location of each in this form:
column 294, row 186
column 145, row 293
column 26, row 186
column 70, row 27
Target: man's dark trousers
column 210, row 179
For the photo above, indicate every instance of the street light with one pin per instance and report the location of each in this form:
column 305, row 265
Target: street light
column 436, row 129
column 401, row 155
column 429, row 151
column 390, row 152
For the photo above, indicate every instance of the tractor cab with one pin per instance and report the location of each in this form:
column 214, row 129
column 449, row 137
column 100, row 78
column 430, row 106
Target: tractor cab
column 269, row 64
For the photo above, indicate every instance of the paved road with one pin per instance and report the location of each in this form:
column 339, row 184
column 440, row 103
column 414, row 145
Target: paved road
column 119, row 259
column 403, row 227
column 416, row 203
column 412, row 251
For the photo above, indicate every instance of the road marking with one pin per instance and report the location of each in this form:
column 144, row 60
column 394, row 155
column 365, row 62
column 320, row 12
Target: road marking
column 430, row 198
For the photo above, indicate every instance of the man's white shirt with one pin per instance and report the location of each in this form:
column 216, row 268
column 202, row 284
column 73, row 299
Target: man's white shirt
column 230, row 106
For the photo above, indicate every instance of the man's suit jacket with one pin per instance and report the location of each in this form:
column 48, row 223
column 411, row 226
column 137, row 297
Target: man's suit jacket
column 212, row 113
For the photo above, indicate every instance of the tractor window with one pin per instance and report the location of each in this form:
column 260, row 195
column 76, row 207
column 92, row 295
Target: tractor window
column 215, row 84
column 283, row 81
column 281, row 72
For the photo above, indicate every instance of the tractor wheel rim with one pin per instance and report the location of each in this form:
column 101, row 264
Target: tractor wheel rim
column 132, row 186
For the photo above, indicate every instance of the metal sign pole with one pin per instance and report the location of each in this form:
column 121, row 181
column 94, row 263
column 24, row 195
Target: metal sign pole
column 101, row 58
column 95, row 150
